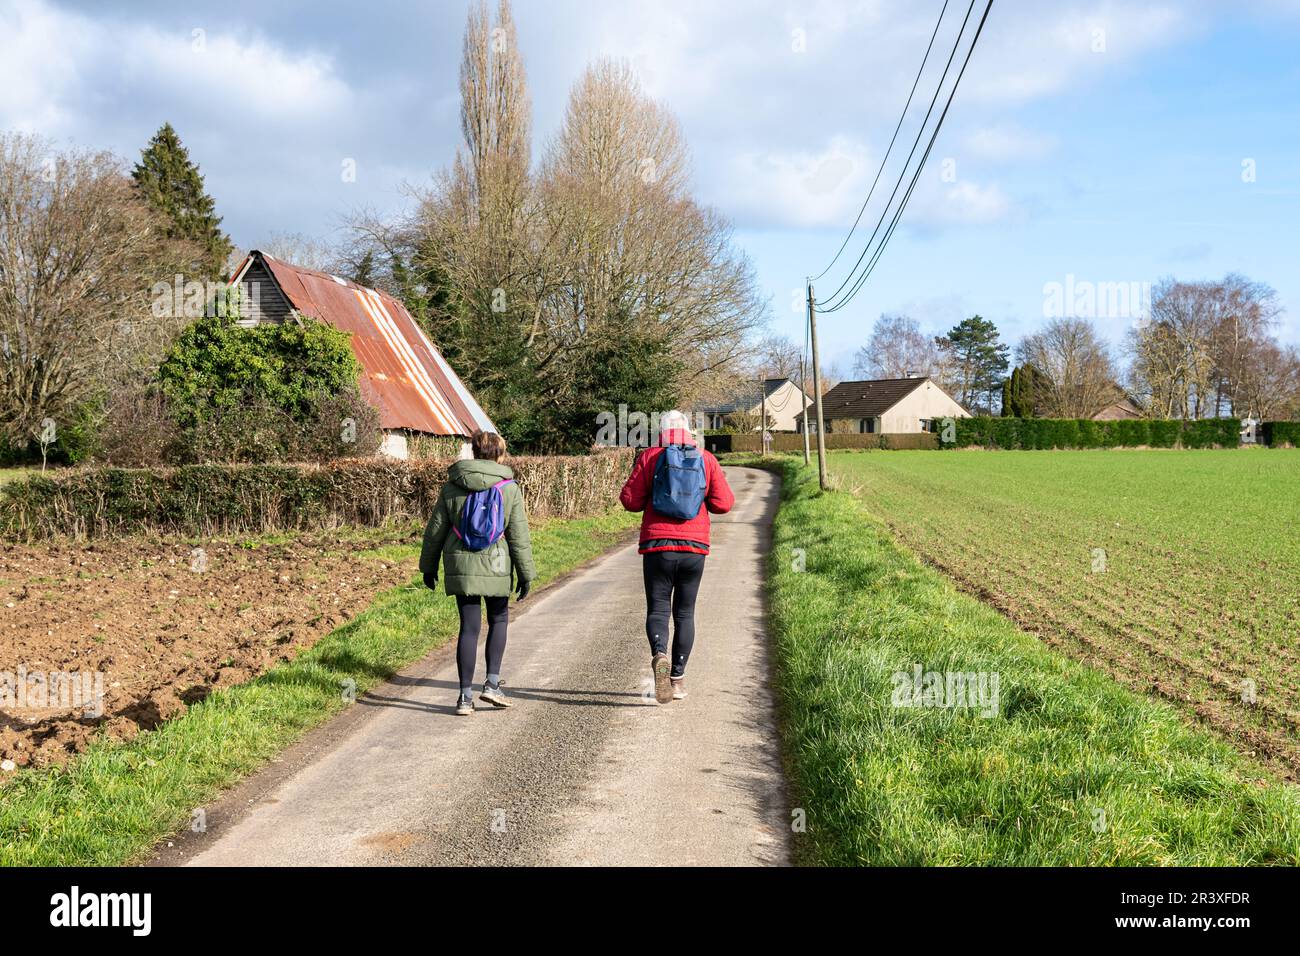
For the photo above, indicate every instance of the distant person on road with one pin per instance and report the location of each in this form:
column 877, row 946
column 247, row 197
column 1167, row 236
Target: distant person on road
column 677, row 485
column 480, row 532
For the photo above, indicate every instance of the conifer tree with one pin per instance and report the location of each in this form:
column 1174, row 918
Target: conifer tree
column 173, row 186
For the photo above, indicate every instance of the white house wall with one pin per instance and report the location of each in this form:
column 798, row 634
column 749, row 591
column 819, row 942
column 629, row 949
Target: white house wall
column 782, row 406
column 926, row 402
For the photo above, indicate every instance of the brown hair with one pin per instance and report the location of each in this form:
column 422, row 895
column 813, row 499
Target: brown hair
column 488, row 445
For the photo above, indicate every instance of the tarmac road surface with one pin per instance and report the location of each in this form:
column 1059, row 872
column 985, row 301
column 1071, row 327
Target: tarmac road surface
column 585, row 769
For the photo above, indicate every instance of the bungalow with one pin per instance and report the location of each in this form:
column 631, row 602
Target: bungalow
column 781, row 396
column 888, row 405
column 403, row 374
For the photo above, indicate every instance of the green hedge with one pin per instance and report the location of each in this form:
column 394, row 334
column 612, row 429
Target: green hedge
column 208, row 499
column 1044, row 433
column 1280, row 433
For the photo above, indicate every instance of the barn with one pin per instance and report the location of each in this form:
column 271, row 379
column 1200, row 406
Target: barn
column 403, row 374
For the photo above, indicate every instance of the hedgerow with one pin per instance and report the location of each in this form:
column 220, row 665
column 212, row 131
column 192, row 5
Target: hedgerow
column 209, row 499
column 1280, row 433
column 1046, row 433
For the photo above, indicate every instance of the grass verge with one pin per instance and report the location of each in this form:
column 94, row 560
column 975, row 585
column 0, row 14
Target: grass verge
column 113, row 803
column 1072, row 770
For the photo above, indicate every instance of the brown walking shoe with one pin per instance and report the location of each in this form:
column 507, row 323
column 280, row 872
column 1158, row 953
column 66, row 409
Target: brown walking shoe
column 679, row 688
column 662, row 669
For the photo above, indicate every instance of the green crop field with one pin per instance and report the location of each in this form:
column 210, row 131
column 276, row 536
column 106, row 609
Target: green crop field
column 1177, row 572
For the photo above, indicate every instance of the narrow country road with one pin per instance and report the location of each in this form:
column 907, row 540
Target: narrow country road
column 585, row 769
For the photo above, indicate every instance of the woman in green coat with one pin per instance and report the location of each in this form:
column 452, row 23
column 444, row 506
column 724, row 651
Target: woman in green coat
column 473, row 575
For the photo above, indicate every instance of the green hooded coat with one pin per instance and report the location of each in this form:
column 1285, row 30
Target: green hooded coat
column 485, row 573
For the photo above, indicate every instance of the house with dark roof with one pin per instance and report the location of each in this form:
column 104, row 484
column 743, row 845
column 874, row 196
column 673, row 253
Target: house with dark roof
column 782, row 397
column 403, row 374
column 889, row 405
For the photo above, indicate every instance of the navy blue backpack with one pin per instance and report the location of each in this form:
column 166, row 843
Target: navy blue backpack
column 678, row 489
column 481, row 518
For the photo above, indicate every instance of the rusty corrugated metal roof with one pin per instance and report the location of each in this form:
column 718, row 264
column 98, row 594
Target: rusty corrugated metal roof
column 405, row 375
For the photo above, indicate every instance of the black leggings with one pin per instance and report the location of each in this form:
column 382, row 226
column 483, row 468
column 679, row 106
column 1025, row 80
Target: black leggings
column 672, row 579
column 471, row 622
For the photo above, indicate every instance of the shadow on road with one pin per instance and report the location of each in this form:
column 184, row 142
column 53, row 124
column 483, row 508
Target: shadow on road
column 551, row 695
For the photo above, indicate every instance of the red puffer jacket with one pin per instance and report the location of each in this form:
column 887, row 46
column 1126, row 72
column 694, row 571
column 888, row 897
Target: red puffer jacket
column 661, row 533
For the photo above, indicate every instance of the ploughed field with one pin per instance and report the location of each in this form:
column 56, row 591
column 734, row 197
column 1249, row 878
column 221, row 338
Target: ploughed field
column 165, row 621
column 1177, row 572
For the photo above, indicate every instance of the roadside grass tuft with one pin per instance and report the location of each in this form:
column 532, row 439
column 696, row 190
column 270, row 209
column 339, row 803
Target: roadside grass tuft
column 110, row 805
column 1073, row 770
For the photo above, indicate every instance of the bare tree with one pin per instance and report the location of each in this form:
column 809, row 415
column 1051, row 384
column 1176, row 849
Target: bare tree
column 897, row 347
column 81, row 261
column 302, row 250
column 777, row 356
column 480, row 209
column 1267, row 382
column 381, row 253
column 627, row 245
column 1194, row 357
column 1077, row 367
column 1243, row 314
column 495, row 111
column 1158, row 370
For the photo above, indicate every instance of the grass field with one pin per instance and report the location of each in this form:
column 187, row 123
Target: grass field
column 1069, row 767
column 1177, row 572
column 111, row 804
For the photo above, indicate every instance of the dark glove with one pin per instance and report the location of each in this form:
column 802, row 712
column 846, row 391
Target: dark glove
column 523, row 589
column 431, row 580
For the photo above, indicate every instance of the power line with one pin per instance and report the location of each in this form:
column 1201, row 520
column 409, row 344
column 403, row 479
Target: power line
column 902, row 116
column 912, row 152
column 871, row 265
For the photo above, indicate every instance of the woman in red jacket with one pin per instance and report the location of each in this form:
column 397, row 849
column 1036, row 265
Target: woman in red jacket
column 673, row 552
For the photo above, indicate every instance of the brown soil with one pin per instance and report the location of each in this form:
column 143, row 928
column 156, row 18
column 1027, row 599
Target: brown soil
column 166, row 625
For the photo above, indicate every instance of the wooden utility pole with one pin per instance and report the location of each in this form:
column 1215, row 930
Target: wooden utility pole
column 762, row 411
column 817, row 390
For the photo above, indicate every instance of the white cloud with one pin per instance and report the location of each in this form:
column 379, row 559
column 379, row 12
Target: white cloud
column 35, row 67
column 802, row 187
column 60, row 68
column 825, row 189
column 760, row 100
column 1030, row 51
column 786, row 127
column 969, row 203
column 250, row 74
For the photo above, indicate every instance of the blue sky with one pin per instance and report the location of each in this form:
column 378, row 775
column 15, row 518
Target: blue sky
column 1102, row 140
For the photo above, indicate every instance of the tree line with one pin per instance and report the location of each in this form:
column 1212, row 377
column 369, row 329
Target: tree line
column 1204, row 349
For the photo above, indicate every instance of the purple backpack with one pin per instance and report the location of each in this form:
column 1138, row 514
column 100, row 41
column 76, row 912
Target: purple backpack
column 481, row 519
